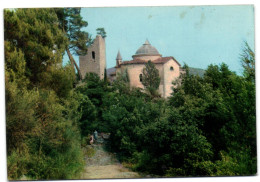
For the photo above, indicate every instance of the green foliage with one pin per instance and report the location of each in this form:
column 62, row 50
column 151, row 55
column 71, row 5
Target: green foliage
column 105, row 76
column 15, row 66
column 123, row 76
column 20, row 115
column 102, row 32
column 16, row 164
column 88, row 121
column 42, row 111
column 248, row 63
column 71, row 22
column 206, row 128
column 122, row 82
column 223, row 105
column 38, row 131
column 93, row 90
column 154, row 136
column 122, row 116
column 35, row 33
column 150, row 78
column 60, row 79
column 233, row 164
column 226, row 166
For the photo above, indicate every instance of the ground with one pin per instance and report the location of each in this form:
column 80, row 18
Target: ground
column 102, row 164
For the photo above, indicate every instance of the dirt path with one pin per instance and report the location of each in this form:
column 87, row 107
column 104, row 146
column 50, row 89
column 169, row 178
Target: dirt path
column 101, row 164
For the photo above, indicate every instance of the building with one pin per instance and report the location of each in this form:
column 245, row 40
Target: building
column 95, row 59
column 169, row 68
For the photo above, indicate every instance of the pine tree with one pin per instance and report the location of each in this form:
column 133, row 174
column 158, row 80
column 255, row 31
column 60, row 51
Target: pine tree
column 41, row 107
column 71, row 23
column 102, row 32
column 36, row 34
column 248, row 63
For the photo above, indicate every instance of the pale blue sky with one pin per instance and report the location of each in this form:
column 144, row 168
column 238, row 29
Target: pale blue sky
column 196, row 35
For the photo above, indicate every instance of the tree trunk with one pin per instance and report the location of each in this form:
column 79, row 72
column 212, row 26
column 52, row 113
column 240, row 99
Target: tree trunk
column 73, row 62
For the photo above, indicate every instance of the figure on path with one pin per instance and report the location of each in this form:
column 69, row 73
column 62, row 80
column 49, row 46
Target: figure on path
column 95, row 135
column 91, row 140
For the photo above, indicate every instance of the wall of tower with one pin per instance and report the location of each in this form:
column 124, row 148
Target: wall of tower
column 95, row 59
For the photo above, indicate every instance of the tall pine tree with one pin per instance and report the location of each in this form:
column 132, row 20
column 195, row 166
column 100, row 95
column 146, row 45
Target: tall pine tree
column 35, row 32
column 71, row 23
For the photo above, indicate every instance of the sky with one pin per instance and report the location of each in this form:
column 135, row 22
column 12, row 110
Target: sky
column 195, row 35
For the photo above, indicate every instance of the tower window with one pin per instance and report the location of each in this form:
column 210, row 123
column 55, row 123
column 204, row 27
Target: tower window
column 141, row 77
column 93, row 55
column 171, row 68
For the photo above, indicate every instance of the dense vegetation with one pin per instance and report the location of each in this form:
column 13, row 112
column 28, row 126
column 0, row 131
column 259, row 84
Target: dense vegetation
column 206, row 128
column 43, row 137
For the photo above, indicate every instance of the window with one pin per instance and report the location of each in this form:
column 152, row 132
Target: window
column 93, row 55
column 171, row 68
column 141, row 77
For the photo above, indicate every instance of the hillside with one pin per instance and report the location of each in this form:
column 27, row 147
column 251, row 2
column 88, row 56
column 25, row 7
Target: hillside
column 197, row 71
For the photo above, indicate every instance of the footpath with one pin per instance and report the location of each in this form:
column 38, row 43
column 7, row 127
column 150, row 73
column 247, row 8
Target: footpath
column 101, row 164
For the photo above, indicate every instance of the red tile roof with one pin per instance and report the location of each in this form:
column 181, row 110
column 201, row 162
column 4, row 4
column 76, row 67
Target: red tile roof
column 161, row 60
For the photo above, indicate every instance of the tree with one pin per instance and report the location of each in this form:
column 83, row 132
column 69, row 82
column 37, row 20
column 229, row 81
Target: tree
column 59, row 79
column 71, row 23
column 35, row 33
column 150, row 78
column 102, row 32
column 223, row 106
column 42, row 111
column 248, row 62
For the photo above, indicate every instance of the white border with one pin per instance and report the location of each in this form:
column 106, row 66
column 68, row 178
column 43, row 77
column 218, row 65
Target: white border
column 115, row 3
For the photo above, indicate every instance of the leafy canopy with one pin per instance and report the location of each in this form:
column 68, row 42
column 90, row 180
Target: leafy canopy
column 71, row 22
column 102, row 32
column 43, row 140
column 36, row 33
column 150, row 77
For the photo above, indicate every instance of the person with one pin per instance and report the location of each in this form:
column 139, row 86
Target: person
column 95, row 135
column 91, row 140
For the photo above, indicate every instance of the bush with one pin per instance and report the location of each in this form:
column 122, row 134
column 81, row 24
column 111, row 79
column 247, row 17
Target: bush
column 41, row 143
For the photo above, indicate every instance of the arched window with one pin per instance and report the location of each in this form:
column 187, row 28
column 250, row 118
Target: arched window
column 93, row 55
column 141, row 77
column 171, row 68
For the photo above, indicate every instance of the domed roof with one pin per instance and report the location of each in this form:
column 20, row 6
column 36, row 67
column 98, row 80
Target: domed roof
column 147, row 49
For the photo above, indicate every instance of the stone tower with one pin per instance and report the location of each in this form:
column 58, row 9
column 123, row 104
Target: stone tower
column 95, row 59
